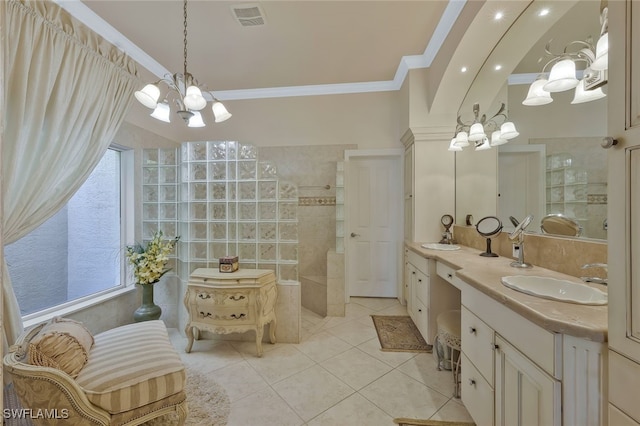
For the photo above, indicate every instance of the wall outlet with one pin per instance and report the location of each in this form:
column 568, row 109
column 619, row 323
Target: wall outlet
column 516, row 250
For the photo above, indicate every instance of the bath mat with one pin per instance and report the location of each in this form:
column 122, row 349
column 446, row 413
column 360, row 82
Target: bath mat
column 417, row 422
column 399, row 334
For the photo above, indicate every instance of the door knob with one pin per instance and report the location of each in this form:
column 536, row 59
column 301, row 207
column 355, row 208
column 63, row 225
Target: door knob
column 353, row 235
column 608, row 142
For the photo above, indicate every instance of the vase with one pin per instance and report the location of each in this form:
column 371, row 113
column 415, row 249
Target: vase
column 148, row 310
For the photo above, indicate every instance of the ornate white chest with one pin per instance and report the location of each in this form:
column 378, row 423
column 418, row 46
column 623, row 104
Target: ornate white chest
column 231, row 303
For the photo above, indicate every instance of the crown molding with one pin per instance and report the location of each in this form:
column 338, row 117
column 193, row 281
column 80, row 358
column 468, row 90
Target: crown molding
column 454, row 7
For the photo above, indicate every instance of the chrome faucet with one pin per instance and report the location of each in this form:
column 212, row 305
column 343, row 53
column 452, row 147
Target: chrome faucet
column 447, row 238
column 596, row 280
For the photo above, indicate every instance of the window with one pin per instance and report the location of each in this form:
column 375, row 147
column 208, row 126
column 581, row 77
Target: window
column 77, row 253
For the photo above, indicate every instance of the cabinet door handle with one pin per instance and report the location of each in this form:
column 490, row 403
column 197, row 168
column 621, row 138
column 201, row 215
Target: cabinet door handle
column 204, row 296
column 472, row 330
column 472, row 382
column 494, row 346
column 419, row 280
column 450, row 276
column 419, row 310
column 413, row 272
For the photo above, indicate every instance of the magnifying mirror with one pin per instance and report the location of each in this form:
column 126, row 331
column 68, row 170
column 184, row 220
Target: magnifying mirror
column 489, row 227
column 517, row 233
column 559, row 224
column 447, row 221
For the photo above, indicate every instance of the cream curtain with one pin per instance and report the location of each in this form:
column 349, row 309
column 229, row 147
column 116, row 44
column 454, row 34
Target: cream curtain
column 66, row 93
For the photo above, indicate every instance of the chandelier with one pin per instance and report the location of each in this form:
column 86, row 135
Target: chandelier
column 500, row 129
column 186, row 93
column 563, row 72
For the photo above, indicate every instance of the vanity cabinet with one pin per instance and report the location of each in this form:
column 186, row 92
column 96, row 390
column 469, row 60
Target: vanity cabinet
column 427, row 294
column 500, row 384
column 516, row 372
column 525, row 394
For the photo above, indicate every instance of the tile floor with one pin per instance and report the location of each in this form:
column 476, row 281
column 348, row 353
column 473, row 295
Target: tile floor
column 337, row 375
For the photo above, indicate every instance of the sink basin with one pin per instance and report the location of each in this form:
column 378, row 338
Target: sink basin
column 551, row 288
column 438, row 246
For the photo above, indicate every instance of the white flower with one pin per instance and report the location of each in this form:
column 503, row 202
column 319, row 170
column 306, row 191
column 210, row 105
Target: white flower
column 149, row 262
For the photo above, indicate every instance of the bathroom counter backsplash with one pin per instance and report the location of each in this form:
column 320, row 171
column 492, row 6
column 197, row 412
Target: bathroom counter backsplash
column 483, row 273
column 561, row 254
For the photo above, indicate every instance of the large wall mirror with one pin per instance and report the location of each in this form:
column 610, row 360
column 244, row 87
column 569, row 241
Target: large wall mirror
column 556, row 165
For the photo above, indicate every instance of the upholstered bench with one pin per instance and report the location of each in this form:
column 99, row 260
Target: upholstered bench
column 124, row 376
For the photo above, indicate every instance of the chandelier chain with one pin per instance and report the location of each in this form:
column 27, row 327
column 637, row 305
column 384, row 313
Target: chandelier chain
column 185, row 38
column 185, row 91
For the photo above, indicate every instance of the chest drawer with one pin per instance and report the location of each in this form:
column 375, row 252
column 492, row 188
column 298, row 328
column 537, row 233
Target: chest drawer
column 223, row 316
column 220, row 298
column 478, row 343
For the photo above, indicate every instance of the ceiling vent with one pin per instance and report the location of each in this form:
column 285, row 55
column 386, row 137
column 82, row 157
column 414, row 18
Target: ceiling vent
column 248, row 15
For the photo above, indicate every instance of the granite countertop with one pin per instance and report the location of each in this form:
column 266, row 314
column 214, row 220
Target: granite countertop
column 483, row 273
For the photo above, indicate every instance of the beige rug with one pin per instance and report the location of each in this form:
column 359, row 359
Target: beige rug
column 209, row 404
column 399, row 334
column 417, row 422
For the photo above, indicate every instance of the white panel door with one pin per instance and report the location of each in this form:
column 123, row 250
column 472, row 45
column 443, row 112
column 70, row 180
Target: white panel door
column 373, row 234
column 520, row 185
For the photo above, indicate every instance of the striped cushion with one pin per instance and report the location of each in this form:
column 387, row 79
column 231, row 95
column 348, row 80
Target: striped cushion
column 131, row 366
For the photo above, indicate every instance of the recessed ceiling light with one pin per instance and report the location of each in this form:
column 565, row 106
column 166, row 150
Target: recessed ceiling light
column 543, row 12
column 498, row 67
column 498, row 16
column 463, row 69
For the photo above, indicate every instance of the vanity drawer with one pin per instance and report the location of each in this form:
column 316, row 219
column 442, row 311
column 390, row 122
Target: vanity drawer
column 478, row 343
column 422, row 287
column 421, row 319
column 618, row 418
column 445, row 272
column 422, row 263
column 477, row 394
column 624, row 394
column 541, row 346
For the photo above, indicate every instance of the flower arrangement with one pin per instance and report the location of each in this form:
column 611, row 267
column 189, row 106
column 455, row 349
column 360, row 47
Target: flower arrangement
column 149, row 262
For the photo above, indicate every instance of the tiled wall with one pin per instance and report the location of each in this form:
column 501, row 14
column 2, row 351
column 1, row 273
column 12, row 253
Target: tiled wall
column 312, row 168
column 586, row 202
column 565, row 255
